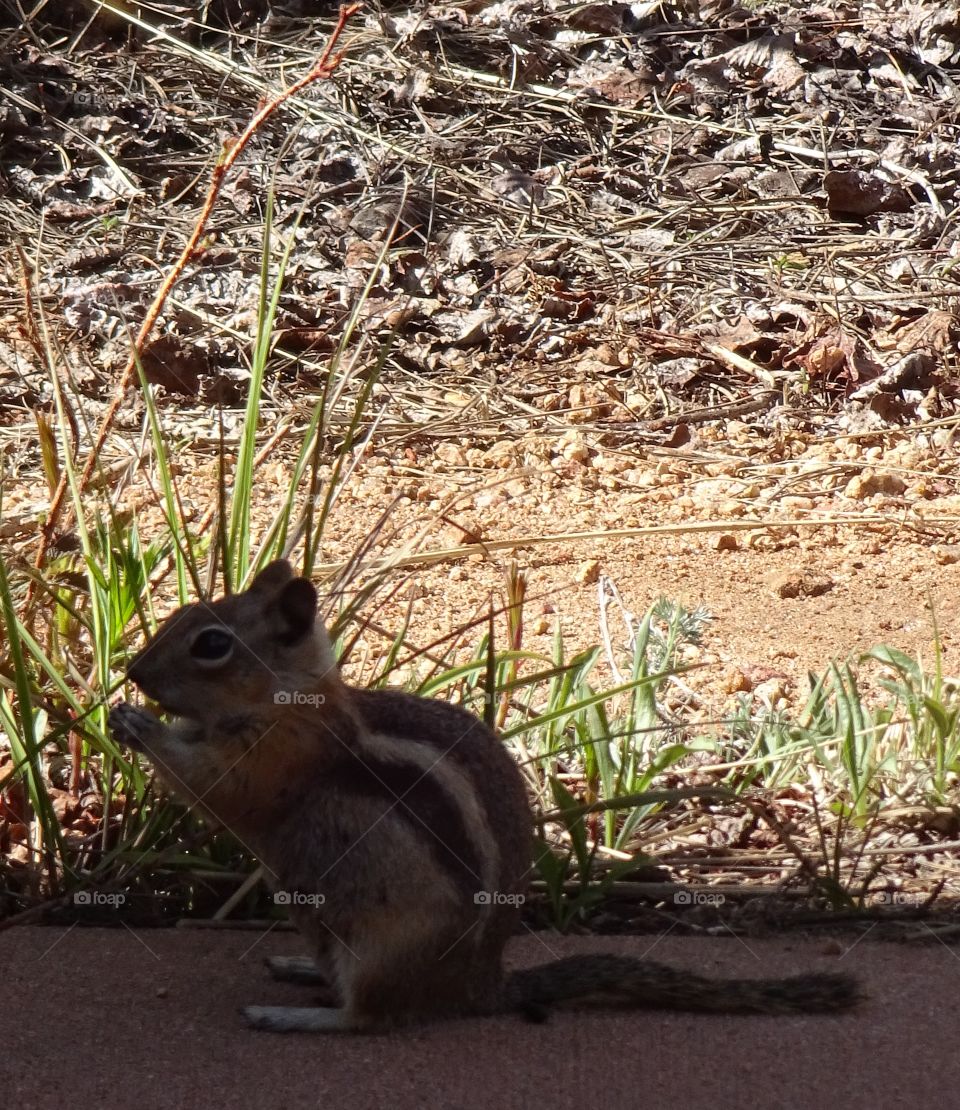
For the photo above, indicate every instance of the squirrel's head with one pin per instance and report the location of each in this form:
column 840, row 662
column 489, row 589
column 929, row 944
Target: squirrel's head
column 263, row 646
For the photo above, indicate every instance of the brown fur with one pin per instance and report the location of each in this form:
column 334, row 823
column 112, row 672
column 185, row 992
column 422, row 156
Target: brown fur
column 382, row 816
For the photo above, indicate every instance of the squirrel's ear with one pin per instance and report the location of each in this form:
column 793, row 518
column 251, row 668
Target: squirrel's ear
column 272, row 577
column 297, row 605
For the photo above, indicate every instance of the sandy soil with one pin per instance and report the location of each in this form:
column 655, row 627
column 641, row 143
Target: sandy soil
column 151, row 1019
column 785, row 599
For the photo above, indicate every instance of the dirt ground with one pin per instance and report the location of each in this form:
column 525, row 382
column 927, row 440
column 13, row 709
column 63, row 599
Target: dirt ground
column 154, row 1023
column 854, row 544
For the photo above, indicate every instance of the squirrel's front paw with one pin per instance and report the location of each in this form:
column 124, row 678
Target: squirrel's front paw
column 133, row 727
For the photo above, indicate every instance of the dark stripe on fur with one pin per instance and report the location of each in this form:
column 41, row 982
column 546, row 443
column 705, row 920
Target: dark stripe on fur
column 460, row 737
column 416, row 797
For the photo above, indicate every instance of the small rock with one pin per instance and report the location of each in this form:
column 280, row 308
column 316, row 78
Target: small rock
column 724, row 542
column 588, row 572
column 800, row 583
column 870, row 482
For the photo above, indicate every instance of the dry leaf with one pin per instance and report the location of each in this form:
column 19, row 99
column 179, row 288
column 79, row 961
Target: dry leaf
column 857, row 193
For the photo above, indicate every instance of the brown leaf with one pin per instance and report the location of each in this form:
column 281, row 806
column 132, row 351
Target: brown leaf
column 172, row 364
column 935, row 332
column 857, row 193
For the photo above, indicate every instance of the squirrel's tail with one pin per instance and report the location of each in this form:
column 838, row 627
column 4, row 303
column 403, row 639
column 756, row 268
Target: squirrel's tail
column 627, row 982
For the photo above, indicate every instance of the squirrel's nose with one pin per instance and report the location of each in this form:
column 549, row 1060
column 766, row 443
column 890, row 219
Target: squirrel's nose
column 135, row 672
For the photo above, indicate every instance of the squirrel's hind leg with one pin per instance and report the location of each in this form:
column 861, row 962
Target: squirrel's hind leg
column 298, row 1019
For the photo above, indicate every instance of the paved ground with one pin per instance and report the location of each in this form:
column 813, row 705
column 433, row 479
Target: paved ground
column 113, row 1019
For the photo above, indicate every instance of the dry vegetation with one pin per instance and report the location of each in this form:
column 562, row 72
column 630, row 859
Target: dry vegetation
column 610, row 228
column 603, row 212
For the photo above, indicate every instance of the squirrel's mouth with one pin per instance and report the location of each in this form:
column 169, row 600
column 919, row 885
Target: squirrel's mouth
column 143, row 688
column 146, row 687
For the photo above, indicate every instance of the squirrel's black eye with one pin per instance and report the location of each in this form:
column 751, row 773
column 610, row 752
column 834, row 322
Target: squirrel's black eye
column 212, row 645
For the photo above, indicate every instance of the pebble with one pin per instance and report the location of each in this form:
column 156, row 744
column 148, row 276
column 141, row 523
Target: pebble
column 871, row 482
column 800, row 583
column 587, row 573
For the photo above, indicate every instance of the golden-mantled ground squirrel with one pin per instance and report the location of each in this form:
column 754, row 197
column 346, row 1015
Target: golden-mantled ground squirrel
column 396, row 828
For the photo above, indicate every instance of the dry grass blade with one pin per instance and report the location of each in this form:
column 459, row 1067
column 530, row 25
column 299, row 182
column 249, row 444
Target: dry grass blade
column 425, row 558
